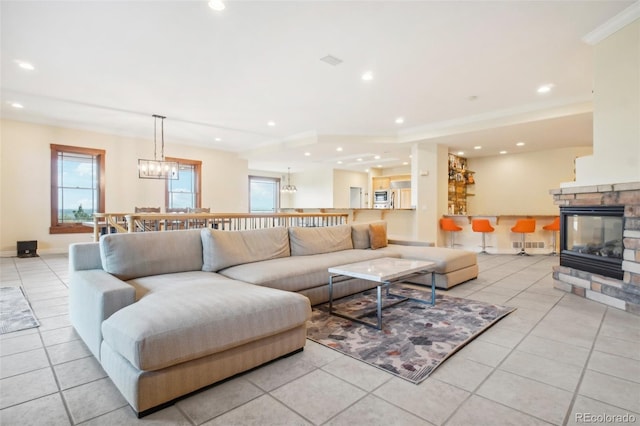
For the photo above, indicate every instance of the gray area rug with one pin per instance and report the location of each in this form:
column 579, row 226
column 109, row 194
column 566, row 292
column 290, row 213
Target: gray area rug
column 15, row 311
column 415, row 337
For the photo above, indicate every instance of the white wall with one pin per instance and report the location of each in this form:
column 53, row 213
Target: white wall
column 25, row 178
column 315, row 189
column 343, row 180
column 520, row 183
column 393, row 171
column 616, row 122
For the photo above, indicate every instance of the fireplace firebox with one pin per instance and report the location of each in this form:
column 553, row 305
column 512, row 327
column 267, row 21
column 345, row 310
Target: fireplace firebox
column 591, row 239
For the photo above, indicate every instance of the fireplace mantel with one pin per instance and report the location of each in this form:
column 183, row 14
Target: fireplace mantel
column 622, row 294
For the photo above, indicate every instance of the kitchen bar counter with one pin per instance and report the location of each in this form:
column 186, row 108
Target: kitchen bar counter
column 502, row 240
column 498, row 217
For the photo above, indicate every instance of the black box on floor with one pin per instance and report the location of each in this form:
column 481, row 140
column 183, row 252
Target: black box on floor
column 28, row 248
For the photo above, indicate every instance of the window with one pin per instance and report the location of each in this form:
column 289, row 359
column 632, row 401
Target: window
column 185, row 192
column 77, row 187
column 264, row 194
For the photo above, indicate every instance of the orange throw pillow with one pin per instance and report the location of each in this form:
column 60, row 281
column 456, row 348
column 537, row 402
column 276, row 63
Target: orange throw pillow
column 378, row 235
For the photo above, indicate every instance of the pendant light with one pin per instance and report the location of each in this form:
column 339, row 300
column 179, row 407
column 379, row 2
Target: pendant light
column 158, row 169
column 288, row 188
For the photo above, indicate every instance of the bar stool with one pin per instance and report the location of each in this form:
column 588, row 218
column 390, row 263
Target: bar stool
column 484, row 226
column 447, row 224
column 524, row 226
column 553, row 227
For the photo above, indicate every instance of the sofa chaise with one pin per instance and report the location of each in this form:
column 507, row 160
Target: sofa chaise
column 168, row 313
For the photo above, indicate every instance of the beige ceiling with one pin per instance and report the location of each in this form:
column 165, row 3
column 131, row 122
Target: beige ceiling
column 460, row 73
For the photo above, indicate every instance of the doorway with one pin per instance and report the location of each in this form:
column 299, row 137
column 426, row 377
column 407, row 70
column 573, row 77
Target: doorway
column 355, row 197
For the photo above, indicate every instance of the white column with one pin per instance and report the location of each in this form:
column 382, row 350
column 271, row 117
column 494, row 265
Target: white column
column 429, row 175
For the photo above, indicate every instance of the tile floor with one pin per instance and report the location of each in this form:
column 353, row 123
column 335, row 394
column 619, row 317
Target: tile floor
column 556, row 360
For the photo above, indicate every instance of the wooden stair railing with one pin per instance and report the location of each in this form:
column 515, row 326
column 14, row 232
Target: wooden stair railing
column 133, row 222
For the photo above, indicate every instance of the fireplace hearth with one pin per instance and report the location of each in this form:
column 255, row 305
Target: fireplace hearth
column 591, row 239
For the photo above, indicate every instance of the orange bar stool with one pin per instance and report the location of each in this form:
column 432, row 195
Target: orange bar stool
column 524, row 226
column 447, row 224
column 484, row 226
column 553, row 227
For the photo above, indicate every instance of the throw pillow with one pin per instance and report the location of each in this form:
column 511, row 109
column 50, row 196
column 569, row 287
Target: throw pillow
column 378, row 235
column 360, row 235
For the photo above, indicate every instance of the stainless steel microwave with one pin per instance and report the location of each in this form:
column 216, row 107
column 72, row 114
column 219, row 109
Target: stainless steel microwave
column 382, row 196
column 382, row 199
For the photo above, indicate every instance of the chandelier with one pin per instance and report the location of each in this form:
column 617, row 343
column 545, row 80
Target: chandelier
column 158, row 169
column 288, row 188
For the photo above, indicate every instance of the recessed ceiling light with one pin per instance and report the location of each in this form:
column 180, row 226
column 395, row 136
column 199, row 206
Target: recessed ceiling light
column 25, row 65
column 359, row 159
column 405, row 163
column 379, row 165
column 339, row 161
column 410, row 156
column 520, row 144
column 503, row 152
column 367, row 76
column 460, row 152
column 545, row 88
column 376, row 157
column 477, row 147
column 17, row 105
column 271, row 123
column 399, row 120
column 339, row 149
column 217, row 139
column 217, row 5
column 366, row 170
column 307, row 154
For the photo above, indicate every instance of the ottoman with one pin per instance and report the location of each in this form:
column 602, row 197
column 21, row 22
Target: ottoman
column 452, row 266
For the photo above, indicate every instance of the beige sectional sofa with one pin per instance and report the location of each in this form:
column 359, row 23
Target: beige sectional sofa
column 168, row 313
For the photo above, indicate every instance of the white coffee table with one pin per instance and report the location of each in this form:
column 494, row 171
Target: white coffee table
column 384, row 271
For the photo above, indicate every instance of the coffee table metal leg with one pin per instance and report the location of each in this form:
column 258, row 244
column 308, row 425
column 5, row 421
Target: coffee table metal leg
column 330, row 294
column 433, row 288
column 380, row 306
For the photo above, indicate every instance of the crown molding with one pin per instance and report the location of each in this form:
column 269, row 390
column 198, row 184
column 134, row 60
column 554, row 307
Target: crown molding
column 614, row 24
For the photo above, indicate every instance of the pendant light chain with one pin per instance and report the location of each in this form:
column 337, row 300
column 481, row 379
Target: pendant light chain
column 155, row 133
column 162, row 135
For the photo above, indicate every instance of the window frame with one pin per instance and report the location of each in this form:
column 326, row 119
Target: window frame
column 74, row 228
column 197, row 170
column 277, row 182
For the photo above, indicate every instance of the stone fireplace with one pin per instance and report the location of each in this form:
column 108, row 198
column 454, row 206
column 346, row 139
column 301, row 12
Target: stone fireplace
column 591, row 239
column 600, row 243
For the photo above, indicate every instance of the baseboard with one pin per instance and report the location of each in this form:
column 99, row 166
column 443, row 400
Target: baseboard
column 14, row 253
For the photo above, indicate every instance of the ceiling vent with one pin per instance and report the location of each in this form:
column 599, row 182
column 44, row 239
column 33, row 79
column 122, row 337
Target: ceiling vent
column 331, row 60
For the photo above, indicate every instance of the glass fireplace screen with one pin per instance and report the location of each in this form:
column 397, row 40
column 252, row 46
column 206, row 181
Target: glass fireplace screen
column 594, row 235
